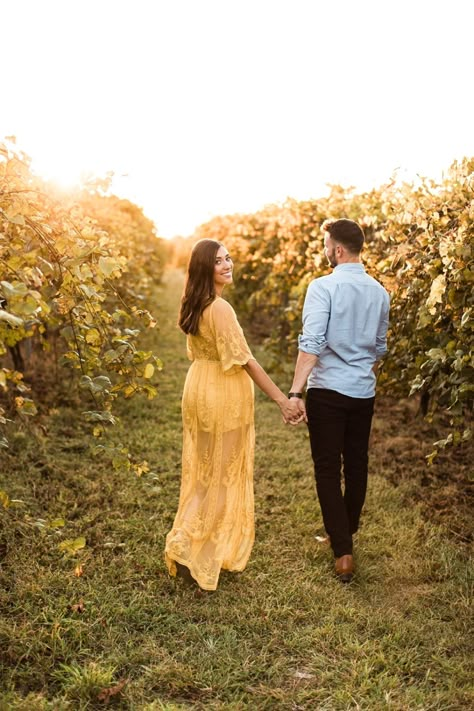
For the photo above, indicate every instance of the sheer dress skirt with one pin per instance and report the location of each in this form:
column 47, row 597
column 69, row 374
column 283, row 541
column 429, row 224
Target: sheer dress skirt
column 214, row 525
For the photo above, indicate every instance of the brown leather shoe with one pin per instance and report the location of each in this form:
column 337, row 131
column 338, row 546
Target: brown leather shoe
column 345, row 568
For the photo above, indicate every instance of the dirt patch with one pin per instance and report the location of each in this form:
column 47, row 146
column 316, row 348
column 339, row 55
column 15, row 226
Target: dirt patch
column 401, row 441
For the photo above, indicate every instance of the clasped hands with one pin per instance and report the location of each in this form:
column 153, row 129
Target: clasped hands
column 294, row 412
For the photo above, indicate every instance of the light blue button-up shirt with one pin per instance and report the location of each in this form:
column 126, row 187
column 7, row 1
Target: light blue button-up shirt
column 345, row 322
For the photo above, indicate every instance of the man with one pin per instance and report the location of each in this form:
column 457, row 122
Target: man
column 345, row 321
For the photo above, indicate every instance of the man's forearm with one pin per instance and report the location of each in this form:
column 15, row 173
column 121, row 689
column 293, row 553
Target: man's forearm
column 304, row 365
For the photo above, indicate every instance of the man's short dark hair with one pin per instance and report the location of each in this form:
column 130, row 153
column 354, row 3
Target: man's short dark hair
column 345, row 232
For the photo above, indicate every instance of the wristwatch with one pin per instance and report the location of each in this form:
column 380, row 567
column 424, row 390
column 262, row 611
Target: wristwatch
column 300, row 395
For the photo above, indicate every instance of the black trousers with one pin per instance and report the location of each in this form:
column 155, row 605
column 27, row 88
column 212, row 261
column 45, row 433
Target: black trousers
column 339, row 429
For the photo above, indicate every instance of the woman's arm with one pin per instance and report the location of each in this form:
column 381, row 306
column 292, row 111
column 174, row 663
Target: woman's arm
column 289, row 408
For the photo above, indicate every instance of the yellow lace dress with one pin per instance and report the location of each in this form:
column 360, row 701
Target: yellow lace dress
column 214, row 526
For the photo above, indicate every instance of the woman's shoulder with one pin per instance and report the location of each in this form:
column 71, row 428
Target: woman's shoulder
column 221, row 314
column 221, row 306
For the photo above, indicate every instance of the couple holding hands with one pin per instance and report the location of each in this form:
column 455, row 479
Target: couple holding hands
column 345, row 322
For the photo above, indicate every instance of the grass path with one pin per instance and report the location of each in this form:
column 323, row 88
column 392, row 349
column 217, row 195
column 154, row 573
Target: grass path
column 284, row 634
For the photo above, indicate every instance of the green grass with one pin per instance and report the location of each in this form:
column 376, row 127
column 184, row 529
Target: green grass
column 284, row 634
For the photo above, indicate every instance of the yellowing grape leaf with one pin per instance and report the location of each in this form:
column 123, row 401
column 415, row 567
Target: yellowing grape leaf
column 438, row 288
column 149, row 370
column 72, row 546
column 93, row 336
column 108, row 265
column 26, row 406
column 57, row 523
column 17, row 219
column 141, row 468
column 10, row 318
column 129, row 390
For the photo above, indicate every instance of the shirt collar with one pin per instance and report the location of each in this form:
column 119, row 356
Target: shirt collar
column 350, row 267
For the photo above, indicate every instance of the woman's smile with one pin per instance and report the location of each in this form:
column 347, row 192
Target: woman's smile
column 223, row 268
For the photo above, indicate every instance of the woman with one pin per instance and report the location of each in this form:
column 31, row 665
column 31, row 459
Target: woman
column 214, row 525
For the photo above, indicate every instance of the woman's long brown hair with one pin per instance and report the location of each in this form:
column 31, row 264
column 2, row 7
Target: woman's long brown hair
column 199, row 290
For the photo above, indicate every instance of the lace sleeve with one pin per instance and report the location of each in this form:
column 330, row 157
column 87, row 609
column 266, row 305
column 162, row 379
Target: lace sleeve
column 231, row 345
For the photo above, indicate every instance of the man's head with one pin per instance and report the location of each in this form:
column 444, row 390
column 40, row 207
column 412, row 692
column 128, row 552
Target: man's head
column 343, row 241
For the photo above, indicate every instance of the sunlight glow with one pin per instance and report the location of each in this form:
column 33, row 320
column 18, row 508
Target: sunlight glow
column 212, row 107
column 58, row 170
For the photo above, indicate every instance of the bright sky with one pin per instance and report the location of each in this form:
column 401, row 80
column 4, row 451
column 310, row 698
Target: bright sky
column 219, row 106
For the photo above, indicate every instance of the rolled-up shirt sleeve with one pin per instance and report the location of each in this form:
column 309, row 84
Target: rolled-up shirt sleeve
column 316, row 310
column 381, row 338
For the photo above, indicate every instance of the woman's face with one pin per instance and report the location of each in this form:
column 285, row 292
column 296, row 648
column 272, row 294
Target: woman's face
column 222, row 269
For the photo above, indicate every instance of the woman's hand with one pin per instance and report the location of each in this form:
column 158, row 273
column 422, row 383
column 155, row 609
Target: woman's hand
column 293, row 411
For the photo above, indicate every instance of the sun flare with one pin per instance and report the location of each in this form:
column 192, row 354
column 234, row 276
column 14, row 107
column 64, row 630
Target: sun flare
column 58, row 169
